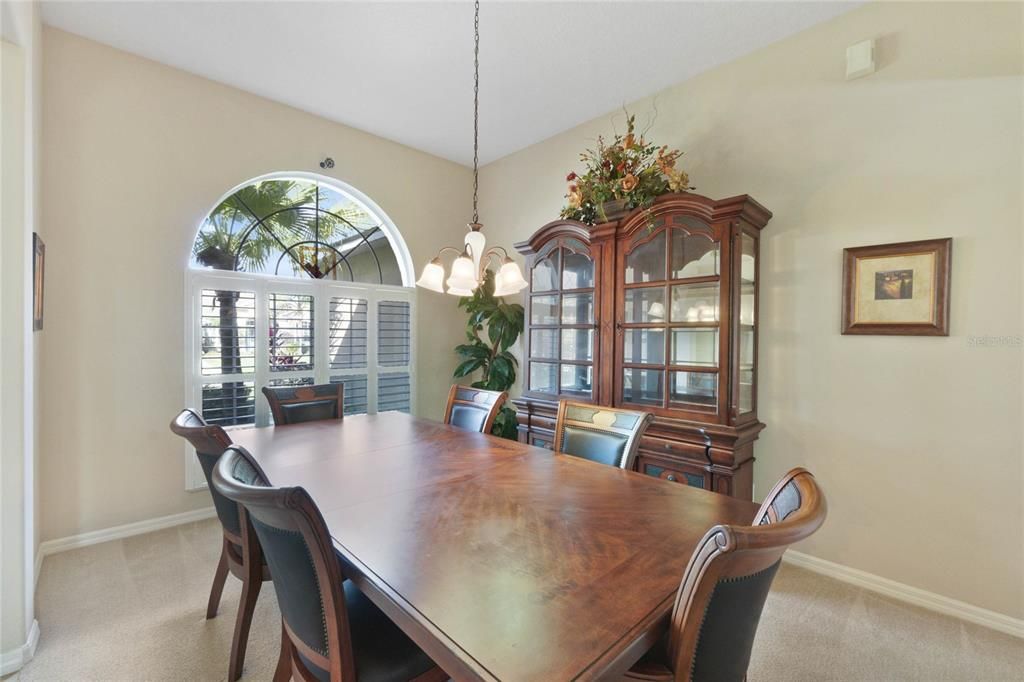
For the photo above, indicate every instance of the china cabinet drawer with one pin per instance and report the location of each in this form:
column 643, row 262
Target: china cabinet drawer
column 694, row 476
column 541, row 438
column 673, row 447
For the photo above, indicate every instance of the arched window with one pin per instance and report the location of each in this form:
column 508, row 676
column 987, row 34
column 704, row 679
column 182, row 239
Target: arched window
column 297, row 227
column 298, row 279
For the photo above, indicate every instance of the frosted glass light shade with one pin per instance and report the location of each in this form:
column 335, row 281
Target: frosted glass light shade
column 432, row 277
column 463, row 277
column 509, row 279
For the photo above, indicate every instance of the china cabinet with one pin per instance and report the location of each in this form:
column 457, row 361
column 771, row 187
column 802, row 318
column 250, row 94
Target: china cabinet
column 655, row 311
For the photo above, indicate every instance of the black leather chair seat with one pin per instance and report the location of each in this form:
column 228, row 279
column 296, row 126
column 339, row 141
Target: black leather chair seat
column 381, row 650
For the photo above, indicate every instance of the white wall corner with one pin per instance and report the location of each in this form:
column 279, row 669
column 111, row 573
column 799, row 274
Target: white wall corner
column 910, row 595
column 14, row 660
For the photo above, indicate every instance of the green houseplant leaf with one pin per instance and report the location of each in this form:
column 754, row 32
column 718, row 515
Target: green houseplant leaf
column 492, row 327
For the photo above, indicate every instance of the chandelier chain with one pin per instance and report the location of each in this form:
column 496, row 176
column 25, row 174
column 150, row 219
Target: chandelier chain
column 476, row 108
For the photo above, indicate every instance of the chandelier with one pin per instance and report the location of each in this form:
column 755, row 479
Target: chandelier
column 472, row 262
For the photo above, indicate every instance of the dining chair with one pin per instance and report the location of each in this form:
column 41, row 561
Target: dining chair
column 719, row 602
column 473, row 409
column 242, row 560
column 297, row 404
column 330, row 630
column 601, row 434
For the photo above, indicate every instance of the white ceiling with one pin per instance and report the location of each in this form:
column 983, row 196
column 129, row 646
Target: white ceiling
column 404, row 70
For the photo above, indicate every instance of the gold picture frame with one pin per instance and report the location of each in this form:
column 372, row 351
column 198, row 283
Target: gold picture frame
column 897, row 289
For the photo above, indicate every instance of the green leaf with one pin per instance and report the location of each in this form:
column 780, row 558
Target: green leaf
column 477, row 350
column 505, row 425
column 502, row 373
column 496, row 330
column 467, row 367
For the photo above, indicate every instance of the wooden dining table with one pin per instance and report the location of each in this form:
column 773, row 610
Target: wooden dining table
column 501, row 560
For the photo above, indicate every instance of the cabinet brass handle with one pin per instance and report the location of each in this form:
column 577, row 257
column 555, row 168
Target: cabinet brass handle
column 671, row 477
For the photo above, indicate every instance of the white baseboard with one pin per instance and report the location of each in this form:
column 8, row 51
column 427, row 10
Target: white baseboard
column 13, row 661
column 125, row 531
column 911, row 595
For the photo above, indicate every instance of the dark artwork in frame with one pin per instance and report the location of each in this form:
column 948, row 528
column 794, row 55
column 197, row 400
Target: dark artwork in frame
column 894, row 285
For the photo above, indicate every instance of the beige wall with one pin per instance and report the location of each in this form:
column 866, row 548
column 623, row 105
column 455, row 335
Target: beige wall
column 135, row 154
column 917, row 441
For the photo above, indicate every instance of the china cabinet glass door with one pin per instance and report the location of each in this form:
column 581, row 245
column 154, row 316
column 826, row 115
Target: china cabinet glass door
column 745, row 324
column 669, row 341
column 562, row 338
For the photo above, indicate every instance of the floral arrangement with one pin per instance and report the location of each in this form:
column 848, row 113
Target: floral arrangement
column 628, row 169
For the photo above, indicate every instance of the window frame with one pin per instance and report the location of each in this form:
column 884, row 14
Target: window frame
column 198, row 278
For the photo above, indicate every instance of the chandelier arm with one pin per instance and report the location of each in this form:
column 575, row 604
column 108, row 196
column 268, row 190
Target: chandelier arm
column 444, row 249
column 490, row 255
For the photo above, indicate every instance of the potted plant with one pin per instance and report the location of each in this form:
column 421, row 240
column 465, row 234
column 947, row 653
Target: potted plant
column 503, row 323
column 626, row 173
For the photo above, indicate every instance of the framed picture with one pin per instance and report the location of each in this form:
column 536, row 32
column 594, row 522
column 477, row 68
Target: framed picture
column 38, row 262
column 897, row 288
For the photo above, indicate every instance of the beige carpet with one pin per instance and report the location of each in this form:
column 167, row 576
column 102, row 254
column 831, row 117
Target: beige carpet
column 133, row 610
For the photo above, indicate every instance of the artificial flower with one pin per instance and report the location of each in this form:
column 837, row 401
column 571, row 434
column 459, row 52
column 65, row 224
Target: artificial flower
column 571, row 176
column 678, row 181
column 575, row 197
column 629, row 182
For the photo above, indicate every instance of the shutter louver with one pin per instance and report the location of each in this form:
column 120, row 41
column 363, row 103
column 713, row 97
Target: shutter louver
column 291, row 332
column 348, row 333
column 393, row 333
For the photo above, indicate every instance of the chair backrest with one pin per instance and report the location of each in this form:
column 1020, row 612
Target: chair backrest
column 209, row 441
column 297, row 404
column 725, row 585
column 601, row 434
column 302, row 562
column 473, row 409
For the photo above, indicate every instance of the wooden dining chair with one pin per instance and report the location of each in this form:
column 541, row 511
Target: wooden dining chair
column 242, row 560
column 297, row 404
column 601, row 434
column 473, row 409
column 330, row 630
column 724, row 587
